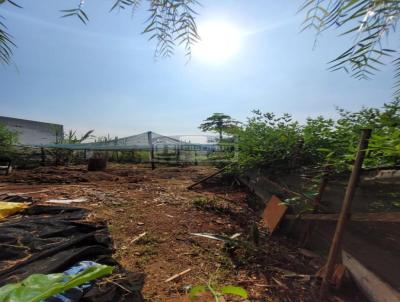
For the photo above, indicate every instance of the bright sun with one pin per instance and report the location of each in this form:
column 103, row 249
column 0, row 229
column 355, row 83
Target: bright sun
column 219, row 42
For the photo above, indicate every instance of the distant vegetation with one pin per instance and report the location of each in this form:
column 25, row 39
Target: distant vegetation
column 72, row 138
column 7, row 140
column 319, row 148
column 220, row 123
column 280, row 143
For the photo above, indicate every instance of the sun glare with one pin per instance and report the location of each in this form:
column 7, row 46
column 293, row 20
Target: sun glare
column 219, row 42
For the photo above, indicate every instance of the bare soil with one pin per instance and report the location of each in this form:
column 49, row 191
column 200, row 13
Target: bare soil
column 134, row 199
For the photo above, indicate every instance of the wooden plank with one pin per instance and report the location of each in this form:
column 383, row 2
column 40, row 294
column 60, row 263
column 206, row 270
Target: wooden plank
column 373, row 287
column 372, row 217
column 273, row 213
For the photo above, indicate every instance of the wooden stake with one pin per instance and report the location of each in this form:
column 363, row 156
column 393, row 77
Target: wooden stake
column 208, row 177
column 345, row 210
column 138, row 237
column 178, row 275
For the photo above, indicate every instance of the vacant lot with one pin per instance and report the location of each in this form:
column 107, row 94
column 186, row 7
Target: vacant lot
column 135, row 200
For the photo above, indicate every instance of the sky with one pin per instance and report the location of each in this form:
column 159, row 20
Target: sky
column 104, row 76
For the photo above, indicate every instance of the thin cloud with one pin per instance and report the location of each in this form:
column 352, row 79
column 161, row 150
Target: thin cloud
column 268, row 27
column 40, row 22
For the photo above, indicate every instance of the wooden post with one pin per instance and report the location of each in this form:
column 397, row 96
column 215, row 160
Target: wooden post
column 151, row 149
column 178, row 153
column 345, row 210
column 310, row 225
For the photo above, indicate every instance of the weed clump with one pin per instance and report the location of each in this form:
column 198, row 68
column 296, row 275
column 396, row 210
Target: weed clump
column 211, row 205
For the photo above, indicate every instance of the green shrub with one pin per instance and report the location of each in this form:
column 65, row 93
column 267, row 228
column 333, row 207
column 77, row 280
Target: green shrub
column 7, row 140
column 281, row 144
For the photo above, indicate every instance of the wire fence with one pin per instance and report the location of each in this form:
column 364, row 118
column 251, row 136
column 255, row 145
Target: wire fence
column 148, row 147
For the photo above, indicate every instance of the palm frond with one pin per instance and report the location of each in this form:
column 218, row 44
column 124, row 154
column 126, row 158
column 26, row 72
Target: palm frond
column 86, row 136
column 6, row 44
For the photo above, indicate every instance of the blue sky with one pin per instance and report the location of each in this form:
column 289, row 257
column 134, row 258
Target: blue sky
column 103, row 76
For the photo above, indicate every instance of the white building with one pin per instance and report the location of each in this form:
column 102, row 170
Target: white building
column 32, row 132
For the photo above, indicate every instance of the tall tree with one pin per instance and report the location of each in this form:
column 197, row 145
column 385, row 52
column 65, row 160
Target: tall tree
column 218, row 122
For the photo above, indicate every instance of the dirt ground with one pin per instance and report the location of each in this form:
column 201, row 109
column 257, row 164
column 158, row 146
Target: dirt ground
column 134, row 200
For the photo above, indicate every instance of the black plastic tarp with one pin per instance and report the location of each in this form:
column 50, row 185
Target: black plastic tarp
column 50, row 239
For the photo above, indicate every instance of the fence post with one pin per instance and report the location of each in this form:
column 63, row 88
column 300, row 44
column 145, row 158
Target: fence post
column 43, row 156
column 178, row 153
column 57, row 153
column 151, row 149
column 345, row 210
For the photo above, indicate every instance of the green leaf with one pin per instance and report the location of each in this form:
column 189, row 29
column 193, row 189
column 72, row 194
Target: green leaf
column 39, row 287
column 196, row 290
column 234, row 290
column 396, row 204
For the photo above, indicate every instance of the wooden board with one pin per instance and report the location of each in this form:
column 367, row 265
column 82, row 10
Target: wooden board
column 273, row 213
column 374, row 288
column 368, row 217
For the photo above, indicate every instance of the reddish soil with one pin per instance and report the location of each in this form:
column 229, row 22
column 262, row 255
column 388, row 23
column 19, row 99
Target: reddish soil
column 134, row 199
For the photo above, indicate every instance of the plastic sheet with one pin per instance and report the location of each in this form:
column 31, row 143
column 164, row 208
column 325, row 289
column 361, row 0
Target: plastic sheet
column 51, row 239
column 10, row 208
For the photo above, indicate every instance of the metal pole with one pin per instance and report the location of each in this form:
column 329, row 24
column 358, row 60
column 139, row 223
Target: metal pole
column 345, row 211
